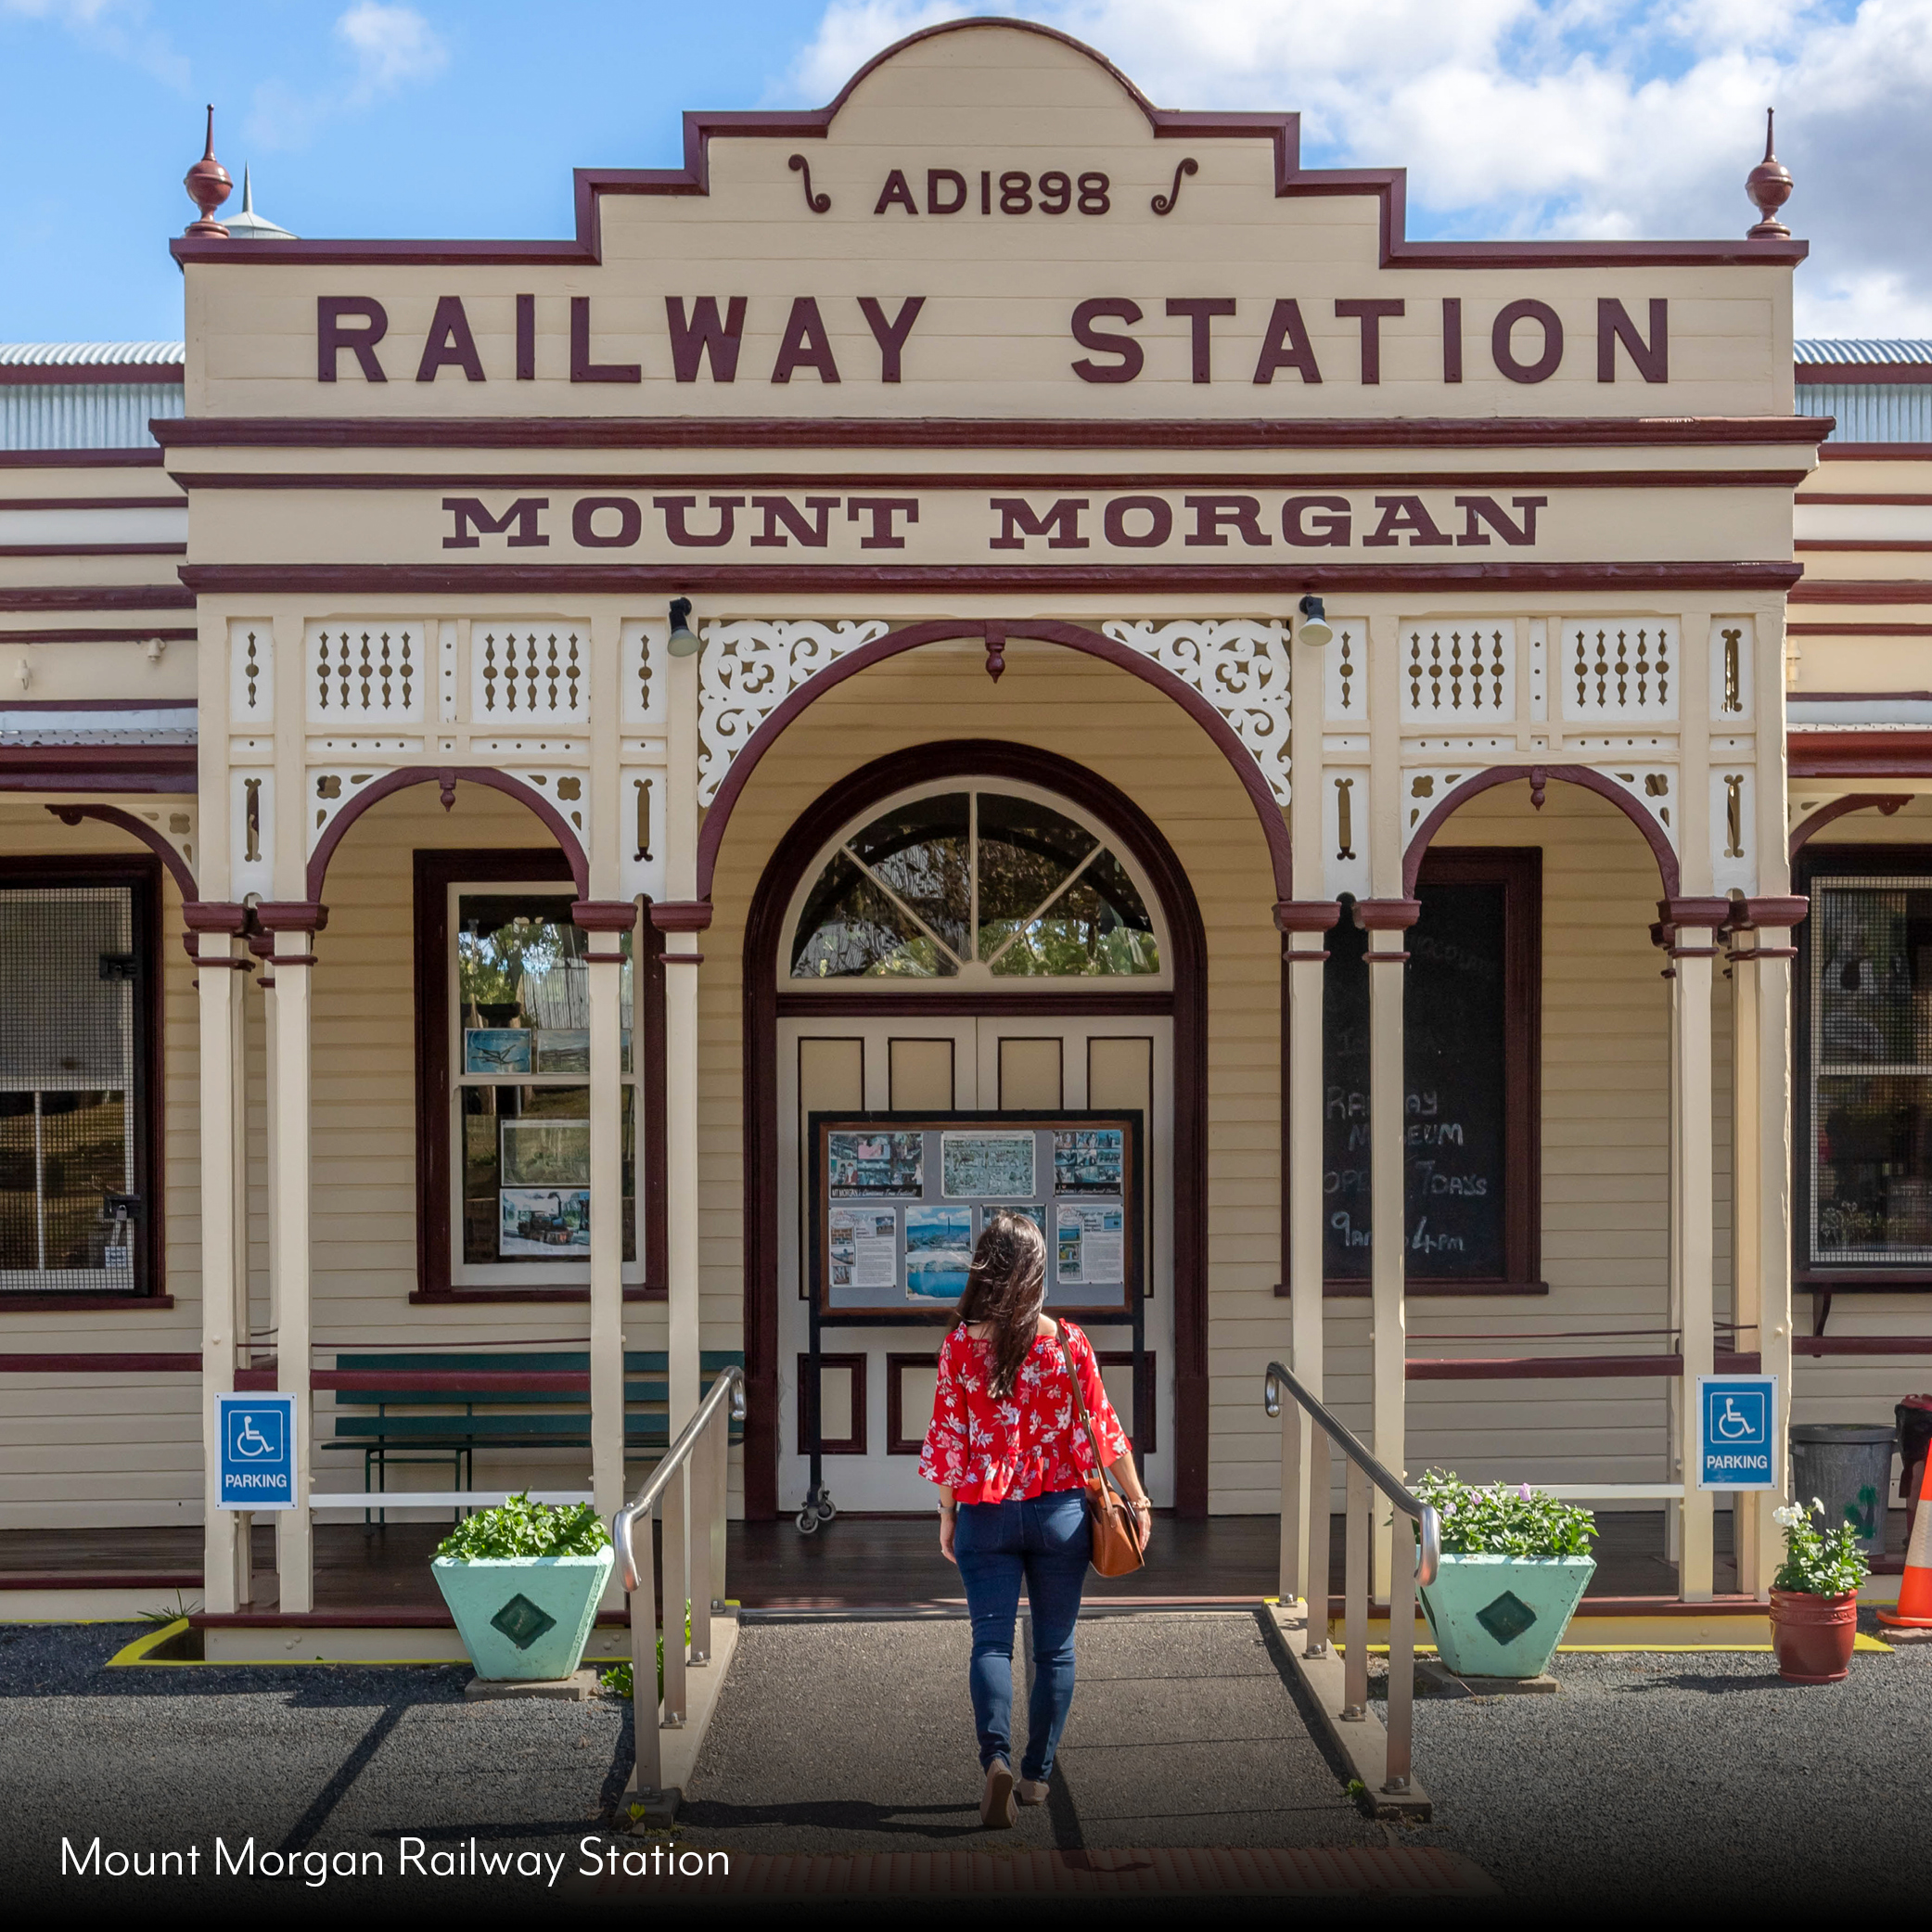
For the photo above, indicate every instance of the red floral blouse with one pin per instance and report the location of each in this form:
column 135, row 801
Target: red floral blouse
column 1031, row 1443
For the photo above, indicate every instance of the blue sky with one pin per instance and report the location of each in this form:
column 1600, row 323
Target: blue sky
column 1514, row 117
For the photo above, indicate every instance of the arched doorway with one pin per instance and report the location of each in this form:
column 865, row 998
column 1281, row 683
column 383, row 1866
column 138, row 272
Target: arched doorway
column 969, row 926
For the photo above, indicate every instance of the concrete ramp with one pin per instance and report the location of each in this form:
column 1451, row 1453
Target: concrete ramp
column 852, row 1737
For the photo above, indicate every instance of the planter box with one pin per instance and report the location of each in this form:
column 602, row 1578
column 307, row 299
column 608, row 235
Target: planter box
column 524, row 1616
column 1503, row 1616
column 1813, row 1635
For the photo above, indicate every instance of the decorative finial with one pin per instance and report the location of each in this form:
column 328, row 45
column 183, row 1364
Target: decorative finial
column 1769, row 185
column 209, row 184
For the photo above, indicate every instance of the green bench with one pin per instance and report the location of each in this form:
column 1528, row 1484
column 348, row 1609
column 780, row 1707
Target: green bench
column 448, row 1424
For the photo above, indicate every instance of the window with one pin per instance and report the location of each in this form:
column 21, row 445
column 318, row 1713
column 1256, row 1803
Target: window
column 974, row 884
column 505, row 1101
column 1865, row 1048
column 77, row 1036
column 1470, row 1131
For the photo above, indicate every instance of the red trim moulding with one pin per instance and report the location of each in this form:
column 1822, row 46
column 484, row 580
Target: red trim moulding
column 1817, row 375
column 71, row 374
column 1860, row 754
column 1283, row 132
column 984, row 433
column 95, row 597
column 1534, row 1368
column 102, row 1579
column 81, row 459
column 1764, row 576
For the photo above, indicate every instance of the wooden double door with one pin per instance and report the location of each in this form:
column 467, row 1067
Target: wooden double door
column 877, row 1382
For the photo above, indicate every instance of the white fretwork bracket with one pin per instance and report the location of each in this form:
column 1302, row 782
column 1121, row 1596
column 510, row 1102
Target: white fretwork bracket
column 748, row 669
column 1240, row 666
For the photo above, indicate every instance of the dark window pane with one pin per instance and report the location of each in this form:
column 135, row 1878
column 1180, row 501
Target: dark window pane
column 522, row 971
column 526, row 1173
column 1873, row 956
column 19, row 1213
column 1873, row 1174
column 920, row 855
column 1025, row 850
column 851, row 931
column 1097, row 927
column 1454, row 1023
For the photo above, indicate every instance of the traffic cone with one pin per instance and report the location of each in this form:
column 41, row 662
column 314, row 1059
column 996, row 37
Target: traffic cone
column 1915, row 1611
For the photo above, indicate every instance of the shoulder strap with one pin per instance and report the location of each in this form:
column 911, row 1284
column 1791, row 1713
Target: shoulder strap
column 1079, row 1404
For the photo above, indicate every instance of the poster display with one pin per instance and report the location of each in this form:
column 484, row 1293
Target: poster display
column 898, row 1201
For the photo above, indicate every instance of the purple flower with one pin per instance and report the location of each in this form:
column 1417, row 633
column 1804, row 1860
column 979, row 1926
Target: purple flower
column 1523, row 1491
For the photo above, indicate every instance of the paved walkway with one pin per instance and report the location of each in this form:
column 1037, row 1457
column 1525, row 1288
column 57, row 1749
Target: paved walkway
column 850, row 1737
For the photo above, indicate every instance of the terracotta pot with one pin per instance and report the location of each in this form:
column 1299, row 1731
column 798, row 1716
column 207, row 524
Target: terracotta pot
column 1813, row 1635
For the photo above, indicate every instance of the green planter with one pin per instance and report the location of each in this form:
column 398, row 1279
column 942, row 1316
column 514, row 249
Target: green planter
column 524, row 1616
column 1503, row 1616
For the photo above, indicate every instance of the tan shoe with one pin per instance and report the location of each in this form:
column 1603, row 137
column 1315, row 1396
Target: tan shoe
column 996, row 1811
column 1030, row 1791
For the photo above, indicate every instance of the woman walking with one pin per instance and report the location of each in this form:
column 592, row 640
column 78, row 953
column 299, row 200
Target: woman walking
column 1008, row 1448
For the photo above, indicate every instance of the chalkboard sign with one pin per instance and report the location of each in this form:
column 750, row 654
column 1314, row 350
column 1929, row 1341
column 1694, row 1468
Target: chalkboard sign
column 1458, row 1135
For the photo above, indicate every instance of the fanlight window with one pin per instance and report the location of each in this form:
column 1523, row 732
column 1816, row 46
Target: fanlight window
column 974, row 884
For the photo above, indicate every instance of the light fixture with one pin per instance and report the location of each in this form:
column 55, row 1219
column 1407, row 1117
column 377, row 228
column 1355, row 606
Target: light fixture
column 1314, row 622
column 153, row 648
column 684, row 641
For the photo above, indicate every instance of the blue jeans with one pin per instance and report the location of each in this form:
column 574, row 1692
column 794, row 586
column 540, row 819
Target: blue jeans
column 1044, row 1540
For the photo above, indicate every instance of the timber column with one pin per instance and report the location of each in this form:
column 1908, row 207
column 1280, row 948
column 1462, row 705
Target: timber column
column 295, row 925
column 1690, row 928
column 1303, row 922
column 1762, row 966
column 680, row 917
column 1384, row 920
column 224, row 1271
column 609, row 922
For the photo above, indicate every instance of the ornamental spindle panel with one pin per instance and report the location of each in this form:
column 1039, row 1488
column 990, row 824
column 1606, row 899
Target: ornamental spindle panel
column 367, row 671
column 1624, row 670
column 526, row 673
column 1461, row 671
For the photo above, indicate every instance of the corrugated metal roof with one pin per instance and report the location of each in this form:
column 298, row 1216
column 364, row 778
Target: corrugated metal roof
column 85, row 415
column 1853, row 349
column 81, row 354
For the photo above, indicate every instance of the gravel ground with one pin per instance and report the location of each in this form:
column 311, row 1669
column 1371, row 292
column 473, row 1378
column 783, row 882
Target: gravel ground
column 1647, row 1779
column 330, row 1759
column 1682, row 1777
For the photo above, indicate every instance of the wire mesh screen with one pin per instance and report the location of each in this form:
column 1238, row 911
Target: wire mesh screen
column 1871, row 1070
column 67, row 1080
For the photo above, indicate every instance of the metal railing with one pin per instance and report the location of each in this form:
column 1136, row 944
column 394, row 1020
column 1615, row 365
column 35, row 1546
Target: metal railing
column 1304, row 1561
column 686, row 1490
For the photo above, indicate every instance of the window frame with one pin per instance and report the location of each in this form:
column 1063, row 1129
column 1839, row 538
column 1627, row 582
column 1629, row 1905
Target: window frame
column 1517, row 869
column 142, row 876
column 976, row 984
column 1874, row 1277
column 436, row 871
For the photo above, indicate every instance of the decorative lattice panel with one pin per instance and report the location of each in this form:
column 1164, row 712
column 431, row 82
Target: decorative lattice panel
column 1459, row 673
column 526, row 673
column 1623, row 670
column 366, row 671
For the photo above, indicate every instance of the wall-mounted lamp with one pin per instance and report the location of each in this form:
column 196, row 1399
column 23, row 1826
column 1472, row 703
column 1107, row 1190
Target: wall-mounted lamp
column 1314, row 621
column 684, row 641
column 153, row 648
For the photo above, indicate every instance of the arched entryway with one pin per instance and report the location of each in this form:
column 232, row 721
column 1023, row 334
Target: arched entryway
column 940, row 1007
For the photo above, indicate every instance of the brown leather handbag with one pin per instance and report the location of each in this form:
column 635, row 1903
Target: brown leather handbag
column 1119, row 1536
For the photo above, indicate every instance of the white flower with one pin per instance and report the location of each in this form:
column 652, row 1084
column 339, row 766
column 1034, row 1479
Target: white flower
column 1789, row 1516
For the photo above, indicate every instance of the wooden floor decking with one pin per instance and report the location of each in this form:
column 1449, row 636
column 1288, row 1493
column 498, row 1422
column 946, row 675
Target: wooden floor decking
column 852, row 1563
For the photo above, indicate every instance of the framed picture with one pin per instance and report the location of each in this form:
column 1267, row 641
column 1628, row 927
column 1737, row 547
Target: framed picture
column 546, row 1153
column 939, row 1249
column 496, row 1049
column 562, row 1050
column 547, row 1224
column 886, row 1164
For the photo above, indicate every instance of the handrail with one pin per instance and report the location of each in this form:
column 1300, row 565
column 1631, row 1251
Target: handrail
column 1305, row 1535
column 1352, row 1446
column 730, row 1385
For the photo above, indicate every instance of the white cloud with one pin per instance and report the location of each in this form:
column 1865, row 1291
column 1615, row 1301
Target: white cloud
column 1613, row 117
column 393, row 45
column 389, row 47
column 117, row 26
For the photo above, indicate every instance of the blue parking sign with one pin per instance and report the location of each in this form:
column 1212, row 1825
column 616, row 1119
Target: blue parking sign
column 258, row 1461
column 1736, row 1419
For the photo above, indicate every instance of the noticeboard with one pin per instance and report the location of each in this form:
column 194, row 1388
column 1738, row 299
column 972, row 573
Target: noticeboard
column 897, row 1201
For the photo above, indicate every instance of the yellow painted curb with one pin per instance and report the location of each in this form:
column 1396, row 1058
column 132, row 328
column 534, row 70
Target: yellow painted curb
column 137, row 1652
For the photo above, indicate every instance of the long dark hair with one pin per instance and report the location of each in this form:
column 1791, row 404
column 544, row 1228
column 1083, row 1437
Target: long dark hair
column 1006, row 1290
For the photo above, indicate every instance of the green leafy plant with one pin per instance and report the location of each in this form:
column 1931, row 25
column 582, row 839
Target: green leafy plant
column 170, row 1613
column 1500, row 1521
column 620, row 1679
column 1818, row 1562
column 520, row 1527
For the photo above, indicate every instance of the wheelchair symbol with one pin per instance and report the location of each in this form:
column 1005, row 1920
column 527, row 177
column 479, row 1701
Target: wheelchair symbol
column 1733, row 1427
column 250, row 1443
